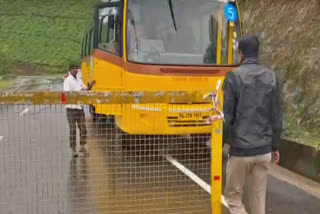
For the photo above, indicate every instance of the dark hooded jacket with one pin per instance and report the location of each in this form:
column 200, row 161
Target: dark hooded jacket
column 253, row 118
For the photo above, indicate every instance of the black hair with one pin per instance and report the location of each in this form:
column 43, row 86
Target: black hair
column 73, row 66
column 249, row 46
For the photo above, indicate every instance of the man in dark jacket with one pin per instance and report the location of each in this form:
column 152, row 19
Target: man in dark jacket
column 253, row 123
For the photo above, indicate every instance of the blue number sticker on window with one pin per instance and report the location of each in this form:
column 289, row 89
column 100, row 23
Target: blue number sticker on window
column 230, row 12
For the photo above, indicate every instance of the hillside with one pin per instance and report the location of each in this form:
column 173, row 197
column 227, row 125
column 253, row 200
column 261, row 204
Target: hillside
column 42, row 36
column 290, row 35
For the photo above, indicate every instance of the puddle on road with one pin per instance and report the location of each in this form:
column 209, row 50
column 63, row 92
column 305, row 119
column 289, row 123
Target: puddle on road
column 37, row 83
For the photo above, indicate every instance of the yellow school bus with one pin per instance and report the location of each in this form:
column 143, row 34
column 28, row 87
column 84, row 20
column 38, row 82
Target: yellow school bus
column 160, row 45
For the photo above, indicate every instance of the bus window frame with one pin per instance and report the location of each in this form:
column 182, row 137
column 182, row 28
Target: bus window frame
column 91, row 40
column 120, row 5
column 88, row 42
column 83, row 47
column 237, row 26
column 85, row 51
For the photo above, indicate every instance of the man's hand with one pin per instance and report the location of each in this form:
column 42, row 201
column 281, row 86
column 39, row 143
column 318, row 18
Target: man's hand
column 91, row 85
column 276, row 157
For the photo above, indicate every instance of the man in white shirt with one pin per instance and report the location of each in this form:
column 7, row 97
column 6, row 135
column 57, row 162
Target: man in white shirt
column 75, row 113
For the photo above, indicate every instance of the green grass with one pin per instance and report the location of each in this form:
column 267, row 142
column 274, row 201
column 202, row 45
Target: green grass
column 300, row 133
column 303, row 136
column 5, row 84
column 45, row 34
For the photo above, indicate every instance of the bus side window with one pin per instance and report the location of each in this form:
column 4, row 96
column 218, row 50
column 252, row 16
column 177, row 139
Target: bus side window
column 109, row 29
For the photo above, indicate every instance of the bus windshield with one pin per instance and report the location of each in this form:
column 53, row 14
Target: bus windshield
column 179, row 32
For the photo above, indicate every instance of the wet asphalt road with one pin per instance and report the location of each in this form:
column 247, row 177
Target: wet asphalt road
column 38, row 174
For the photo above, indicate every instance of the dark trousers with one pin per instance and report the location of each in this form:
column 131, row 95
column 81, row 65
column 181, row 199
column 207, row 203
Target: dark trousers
column 77, row 117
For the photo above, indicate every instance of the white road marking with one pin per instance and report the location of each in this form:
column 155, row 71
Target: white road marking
column 24, row 112
column 193, row 177
column 1, row 137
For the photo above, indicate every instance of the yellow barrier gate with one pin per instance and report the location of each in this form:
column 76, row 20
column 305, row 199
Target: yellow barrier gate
column 121, row 173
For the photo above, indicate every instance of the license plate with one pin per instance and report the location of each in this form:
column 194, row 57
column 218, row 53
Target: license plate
column 190, row 116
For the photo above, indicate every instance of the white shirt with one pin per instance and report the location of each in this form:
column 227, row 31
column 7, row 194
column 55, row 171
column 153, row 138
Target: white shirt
column 73, row 84
column 79, row 74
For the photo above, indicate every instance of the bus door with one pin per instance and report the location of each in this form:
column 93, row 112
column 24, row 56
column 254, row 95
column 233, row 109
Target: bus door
column 108, row 64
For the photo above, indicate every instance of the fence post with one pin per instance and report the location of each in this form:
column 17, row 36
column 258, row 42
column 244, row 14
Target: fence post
column 216, row 163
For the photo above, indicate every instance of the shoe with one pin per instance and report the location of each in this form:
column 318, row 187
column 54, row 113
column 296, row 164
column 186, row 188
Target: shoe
column 84, row 150
column 74, row 153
